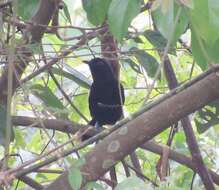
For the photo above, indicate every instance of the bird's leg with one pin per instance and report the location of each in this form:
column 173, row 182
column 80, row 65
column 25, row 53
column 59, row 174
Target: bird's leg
column 98, row 126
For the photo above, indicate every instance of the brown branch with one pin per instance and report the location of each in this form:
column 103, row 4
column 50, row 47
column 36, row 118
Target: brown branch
column 196, row 154
column 82, row 41
column 190, row 136
column 125, row 140
column 42, row 16
column 50, row 171
column 54, row 124
column 126, row 168
column 178, row 157
column 113, row 176
column 70, row 127
column 174, row 92
column 108, row 182
column 169, row 73
column 109, row 51
column 142, row 176
column 136, row 164
column 31, row 183
column 64, row 126
column 193, row 84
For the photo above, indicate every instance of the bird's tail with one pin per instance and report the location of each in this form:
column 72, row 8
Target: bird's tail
column 92, row 122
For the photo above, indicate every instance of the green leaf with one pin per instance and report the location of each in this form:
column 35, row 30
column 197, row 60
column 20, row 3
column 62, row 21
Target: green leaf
column 75, row 178
column 73, row 75
column 120, row 15
column 96, row 10
column 180, row 144
column 133, row 65
column 131, row 183
column 93, row 185
column 213, row 8
column 80, row 162
column 66, row 12
column 207, row 117
column 3, row 115
column 19, row 136
column 138, row 40
column 36, row 48
column 128, row 76
column 148, row 62
column 197, row 52
column 164, row 21
column 48, row 97
column 27, row 8
column 202, row 52
column 158, row 41
column 205, row 19
column 81, row 103
column 35, row 142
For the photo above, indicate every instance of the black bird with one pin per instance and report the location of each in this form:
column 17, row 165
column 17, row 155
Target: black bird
column 105, row 101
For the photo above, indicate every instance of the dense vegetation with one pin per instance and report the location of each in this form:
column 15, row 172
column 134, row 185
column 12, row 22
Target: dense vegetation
column 164, row 52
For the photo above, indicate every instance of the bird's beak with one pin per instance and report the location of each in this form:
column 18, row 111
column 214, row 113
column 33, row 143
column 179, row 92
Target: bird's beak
column 86, row 62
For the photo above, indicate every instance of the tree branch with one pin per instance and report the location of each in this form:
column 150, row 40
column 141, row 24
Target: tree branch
column 42, row 16
column 196, row 154
column 54, row 124
column 180, row 158
column 190, row 136
column 125, row 140
column 31, row 182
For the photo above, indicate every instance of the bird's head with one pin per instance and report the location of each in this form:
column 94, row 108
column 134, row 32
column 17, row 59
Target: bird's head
column 100, row 69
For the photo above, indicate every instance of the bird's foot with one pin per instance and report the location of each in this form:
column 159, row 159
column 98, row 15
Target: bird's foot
column 98, row 126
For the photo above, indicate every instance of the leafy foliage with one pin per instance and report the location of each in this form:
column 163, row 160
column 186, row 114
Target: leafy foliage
column 190, row 26
column 148, row 62
column 49, row 99
column 131, row 183
column 158, row 41
column 207, row 117
column 30, row 8
column 75, row 76
column 205, row 37
column 75, row 178
column 3, row 125
column 96, row 10
column 165, row 21
column 119, row 21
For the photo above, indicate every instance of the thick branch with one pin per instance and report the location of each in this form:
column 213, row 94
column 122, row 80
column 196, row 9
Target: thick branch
column 42, row 17
column 143, row 128
column 54, row 124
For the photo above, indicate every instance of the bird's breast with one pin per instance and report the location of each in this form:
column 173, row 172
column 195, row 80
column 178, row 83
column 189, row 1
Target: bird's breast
column 104, row 102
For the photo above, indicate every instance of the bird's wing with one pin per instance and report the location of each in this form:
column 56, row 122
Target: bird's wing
column 116, row 94
column 122, row 93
